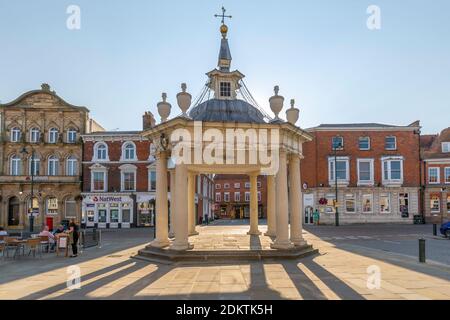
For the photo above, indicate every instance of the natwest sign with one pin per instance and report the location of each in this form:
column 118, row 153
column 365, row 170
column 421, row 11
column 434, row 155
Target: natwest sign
column 107, row 199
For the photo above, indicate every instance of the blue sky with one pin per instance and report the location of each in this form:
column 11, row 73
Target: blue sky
column 319, row 52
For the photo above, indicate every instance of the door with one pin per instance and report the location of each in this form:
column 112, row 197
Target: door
column 13, row 212
column 102, row 218
column 49, row 223
column 114, row 218
column 403, row 199
column 308, row 218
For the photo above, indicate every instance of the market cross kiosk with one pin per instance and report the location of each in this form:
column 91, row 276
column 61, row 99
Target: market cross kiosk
column 226, row 105
column 108, row 211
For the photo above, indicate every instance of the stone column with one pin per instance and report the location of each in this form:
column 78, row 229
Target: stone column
column 181, row 242
column 282, row 225
column 271, row 207
column 172, row 204
column 295, row 203
column 254, row 231
column 162, row 232
column 191, row 204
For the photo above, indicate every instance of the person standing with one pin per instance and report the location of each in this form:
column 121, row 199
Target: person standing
column 316, row 217
column 74, row 235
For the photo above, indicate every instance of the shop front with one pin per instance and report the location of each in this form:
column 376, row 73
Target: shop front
column 145, row 209
column 105, row 211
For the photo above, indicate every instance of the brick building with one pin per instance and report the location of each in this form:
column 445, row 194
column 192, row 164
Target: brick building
column 377, row 169
column 232, row 196
column 40, row 159
column 119, row 180
column 436, row 176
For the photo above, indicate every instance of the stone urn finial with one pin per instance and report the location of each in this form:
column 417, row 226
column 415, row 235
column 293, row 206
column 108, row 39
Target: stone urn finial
column 184, row 99
column 45, row 87
column 164, row 108
column 292, row 114
column 276, row 102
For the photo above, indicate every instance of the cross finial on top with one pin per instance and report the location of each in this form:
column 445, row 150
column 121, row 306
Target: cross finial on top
column 223, row 16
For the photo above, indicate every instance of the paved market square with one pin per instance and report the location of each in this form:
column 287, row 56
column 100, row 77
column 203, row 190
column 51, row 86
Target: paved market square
column 339, row 271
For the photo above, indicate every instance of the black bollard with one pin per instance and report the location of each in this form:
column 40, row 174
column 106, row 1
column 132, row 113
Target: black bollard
column 422, row 257
column 434, row 229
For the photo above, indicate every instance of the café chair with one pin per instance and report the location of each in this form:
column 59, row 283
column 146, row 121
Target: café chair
column 34, row 246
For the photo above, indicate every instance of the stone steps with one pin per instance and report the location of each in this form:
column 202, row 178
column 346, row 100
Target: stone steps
column 166, row 256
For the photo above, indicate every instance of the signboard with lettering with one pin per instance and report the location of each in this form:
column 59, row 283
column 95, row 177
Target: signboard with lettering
column 107, row 199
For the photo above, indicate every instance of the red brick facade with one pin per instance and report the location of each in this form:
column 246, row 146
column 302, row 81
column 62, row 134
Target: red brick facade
column 375, row 191
column 436, row 176
column 238, row 208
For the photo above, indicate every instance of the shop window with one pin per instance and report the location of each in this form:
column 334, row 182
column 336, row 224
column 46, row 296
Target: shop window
column 435, row 204
column 385, row 203
column 330, row 206
column 52, row 206
column 70, row 208
column 367, row 203
column 102, row 213
column 114, row 213
column 350, row 203
column 126, row 213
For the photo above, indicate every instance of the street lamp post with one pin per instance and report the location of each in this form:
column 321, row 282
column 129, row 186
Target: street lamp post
column 32, row 169
column 335, row 148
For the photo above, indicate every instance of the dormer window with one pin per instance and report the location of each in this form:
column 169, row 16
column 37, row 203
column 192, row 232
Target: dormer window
column 445, row 147
column 225, row 89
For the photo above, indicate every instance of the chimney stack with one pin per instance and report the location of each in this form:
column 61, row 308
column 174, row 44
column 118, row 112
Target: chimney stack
column 148, row 121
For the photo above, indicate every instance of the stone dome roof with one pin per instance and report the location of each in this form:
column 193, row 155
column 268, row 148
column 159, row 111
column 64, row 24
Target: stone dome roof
column 215, row 110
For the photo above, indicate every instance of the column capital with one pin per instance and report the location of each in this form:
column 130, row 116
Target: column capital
column 294, row 157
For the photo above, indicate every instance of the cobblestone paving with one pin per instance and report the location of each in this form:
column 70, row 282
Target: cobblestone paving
column 109, row 273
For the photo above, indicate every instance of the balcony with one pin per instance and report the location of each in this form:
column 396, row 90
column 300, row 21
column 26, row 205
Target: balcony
column 39, row 179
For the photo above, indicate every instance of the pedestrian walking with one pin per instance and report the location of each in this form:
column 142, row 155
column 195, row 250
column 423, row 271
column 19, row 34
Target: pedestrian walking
column 74, row 236
column 316, row 217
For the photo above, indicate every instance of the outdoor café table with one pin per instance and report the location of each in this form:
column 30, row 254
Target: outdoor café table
column 17, row 244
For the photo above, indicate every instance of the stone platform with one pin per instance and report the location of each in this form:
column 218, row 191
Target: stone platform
column 225, row 244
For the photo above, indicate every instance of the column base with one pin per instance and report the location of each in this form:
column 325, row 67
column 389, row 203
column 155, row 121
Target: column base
column 194, row 233
column 299, row 242
column 254, row 233
column 282, row 245
column 181, row 246
column 160, row 244
column 270, row 234
column 171, row 235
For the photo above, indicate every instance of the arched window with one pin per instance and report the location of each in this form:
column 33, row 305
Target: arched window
column 101, row 151
column 53, row 135
column 53, row 164
column 15, row 164
column 129, row 151
column 71, row 135
column 35, row 135
column 15, row 134
column 51, row 206
column 34, row 166
column 71, row 166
